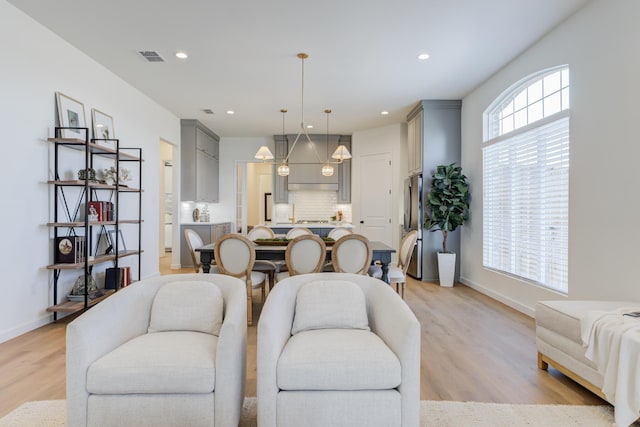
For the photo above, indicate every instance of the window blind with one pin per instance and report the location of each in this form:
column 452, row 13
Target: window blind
column 526, row 196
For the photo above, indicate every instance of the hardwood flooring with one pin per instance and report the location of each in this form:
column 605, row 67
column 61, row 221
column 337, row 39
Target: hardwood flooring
column 473, row 349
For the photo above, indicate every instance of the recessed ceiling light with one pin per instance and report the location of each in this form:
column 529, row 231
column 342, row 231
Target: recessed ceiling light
column 384, row 113
column 182, row 55
column 309, row 126
column 423, row 56
column 230, row 112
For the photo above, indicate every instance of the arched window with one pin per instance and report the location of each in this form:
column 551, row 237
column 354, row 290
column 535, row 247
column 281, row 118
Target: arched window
column 526, row 180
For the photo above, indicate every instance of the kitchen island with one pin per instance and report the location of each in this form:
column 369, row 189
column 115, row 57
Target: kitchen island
column 319, row 228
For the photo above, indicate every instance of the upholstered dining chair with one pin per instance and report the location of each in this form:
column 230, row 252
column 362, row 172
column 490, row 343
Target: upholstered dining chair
column 260, row 232
column 351, row 254
column 397, row 272
column 194, row 241
column 304, row 254
column 235, row 256
column 268, row 267
column 297, row 231
column 338, row 232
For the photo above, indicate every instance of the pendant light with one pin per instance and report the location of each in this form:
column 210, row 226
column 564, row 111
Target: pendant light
column 327, row 169
column 283, row 169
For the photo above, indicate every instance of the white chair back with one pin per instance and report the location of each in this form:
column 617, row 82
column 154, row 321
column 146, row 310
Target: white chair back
column 235, row 255
column 194, row 241
column 260, row 232
column 338, row 232
column 305, row 254
column 298, row 231
column 406, row 250
column 352, row 253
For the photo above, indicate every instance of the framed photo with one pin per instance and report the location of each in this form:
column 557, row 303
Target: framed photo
column 112, row 237
column 71, row 114
column 103, row 129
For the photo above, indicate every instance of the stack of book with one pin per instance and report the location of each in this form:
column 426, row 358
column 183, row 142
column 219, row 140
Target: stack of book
column 104, row 210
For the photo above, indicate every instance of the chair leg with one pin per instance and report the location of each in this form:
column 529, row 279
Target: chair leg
column 249, row 307
column 404, row 287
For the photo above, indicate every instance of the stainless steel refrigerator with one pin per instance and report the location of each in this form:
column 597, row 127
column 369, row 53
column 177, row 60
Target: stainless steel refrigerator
column 413, row 221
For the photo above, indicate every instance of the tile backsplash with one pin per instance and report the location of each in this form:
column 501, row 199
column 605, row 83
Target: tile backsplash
column 312, row 205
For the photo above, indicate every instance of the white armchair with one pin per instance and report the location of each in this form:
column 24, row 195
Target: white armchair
column 337, row 349
column 165, row 351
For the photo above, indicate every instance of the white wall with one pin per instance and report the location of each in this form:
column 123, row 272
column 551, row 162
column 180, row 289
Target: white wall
column 36, row 63
column 388, row 139
column 600, row 44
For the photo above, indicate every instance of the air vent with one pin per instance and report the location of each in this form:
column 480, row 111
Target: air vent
column 208, row 111
column 151, row 56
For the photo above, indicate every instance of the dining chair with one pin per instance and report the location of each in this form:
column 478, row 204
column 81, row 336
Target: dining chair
column 235, row 256
column 397, row 272
column 352, row 253
column 338, row 232
column 260, row 232
column 297, row 231
column 304, row 254
column 194, row 241
column 268, row 267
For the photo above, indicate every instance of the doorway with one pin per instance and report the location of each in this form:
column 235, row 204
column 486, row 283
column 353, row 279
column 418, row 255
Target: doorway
column 167, row 202
column 376, row 199
column 254, row 183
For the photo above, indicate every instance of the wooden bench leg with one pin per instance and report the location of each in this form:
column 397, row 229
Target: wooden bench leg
column 541, row 363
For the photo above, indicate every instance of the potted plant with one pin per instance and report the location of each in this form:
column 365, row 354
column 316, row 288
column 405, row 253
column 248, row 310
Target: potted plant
column 446, row 210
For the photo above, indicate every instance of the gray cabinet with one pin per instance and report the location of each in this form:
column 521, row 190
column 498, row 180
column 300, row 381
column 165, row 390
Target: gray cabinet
column 209, row 233
column 306, row 161
column 344, row 174
column 280, row 183
column 414, row 140
column 199, row 156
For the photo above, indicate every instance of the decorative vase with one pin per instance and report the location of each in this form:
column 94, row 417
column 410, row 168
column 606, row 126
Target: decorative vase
column 446, row 268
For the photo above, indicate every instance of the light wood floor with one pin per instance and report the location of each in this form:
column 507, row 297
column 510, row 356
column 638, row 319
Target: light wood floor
column 473, row 349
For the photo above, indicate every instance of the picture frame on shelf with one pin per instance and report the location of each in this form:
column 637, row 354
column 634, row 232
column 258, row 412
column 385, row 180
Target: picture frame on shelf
column 71, row 115
column 121, row 245
column 103, row 133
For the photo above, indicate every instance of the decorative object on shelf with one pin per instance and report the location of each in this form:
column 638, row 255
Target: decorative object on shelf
column 71, row 115
column 77, row 292
column 89, row 174
column 121, row 245
column 340, row 154
column 446, row 210
column 69, row 249
column 109, row 176
column 196, row 215
column 103, row 129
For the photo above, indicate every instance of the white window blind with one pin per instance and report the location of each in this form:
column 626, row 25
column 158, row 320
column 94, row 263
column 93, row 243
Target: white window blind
column 525, row 197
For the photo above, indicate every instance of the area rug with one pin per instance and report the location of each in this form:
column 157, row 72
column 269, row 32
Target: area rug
column 52, row 413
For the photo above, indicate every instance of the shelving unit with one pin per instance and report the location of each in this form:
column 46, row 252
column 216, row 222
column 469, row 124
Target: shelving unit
column 73, row 220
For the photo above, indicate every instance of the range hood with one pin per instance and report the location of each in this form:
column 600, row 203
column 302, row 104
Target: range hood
column 305, row 169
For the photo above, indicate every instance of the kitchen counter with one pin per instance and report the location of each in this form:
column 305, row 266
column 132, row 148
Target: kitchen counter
column 308, row 225
column 204, row 223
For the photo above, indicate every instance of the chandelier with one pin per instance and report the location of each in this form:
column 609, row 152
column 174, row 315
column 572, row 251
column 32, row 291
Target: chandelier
column 340, row 154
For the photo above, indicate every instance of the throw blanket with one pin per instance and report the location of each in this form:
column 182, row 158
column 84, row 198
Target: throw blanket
column 613, row 344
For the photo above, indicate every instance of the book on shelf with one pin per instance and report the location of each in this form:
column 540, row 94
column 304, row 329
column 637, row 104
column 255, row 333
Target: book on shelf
column 103, row 210
column 117, row 278
column 69, row 249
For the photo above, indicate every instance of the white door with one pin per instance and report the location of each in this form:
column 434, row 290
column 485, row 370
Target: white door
column 375, row 197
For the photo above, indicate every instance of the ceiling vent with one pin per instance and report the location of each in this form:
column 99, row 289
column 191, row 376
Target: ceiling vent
column 151, row 55
column 208, row 111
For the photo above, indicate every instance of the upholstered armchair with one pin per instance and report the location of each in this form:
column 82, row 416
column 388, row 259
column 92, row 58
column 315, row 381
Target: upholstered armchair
column 337, row 349
column 165, row 351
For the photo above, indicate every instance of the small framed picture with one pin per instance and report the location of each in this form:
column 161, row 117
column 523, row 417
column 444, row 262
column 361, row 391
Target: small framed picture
column 71, row 115
column 103, row 129
column 112, row 237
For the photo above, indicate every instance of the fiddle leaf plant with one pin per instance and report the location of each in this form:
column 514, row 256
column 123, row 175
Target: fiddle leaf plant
column 447, row 202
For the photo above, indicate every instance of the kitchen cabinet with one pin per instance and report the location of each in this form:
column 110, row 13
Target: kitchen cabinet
column 200, row 162
column 414, row 139
column 209, row 233
column 280, row 183
column 344, row 174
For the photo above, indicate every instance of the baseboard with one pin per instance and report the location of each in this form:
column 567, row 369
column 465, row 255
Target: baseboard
column 25, row 327
column 529, row 311
column 176, row 266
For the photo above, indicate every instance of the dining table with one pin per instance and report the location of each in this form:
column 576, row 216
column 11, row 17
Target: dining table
column 381, row 253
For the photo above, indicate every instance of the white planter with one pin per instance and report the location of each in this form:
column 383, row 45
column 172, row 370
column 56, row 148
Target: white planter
column 446, row 268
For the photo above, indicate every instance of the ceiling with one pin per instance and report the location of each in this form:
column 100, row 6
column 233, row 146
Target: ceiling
column 243, row 53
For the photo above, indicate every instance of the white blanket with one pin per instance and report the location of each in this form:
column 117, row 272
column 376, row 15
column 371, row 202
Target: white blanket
column 613, row 344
